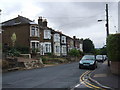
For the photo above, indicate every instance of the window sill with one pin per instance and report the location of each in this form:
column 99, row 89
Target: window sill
column 47, row 39
column 35, row 36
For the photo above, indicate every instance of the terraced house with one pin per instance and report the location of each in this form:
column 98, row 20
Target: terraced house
column 38, row 37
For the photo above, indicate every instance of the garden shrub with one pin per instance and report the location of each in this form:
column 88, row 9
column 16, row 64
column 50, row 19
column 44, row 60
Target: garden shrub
column 13, row 52
column 113, row 47
column 23, row 50
column 75, row 53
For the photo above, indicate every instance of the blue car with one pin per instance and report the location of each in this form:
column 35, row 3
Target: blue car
column 88, row 61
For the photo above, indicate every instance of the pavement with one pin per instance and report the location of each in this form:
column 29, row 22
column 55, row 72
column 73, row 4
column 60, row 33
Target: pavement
column 103, row 76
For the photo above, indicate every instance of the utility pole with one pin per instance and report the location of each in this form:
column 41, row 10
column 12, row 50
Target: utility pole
column 107, row 26
column 107, row 20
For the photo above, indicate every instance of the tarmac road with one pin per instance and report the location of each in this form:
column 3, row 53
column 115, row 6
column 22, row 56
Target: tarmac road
column 61, row 76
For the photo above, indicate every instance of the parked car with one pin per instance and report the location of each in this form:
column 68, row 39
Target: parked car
column 105, row 57
column 88, row 61
column 100, row 58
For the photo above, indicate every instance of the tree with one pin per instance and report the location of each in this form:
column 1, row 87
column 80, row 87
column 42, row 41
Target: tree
column 75, row 53
column 88, row 46
column 103, row 50
column 13, row 52
column 13, row 38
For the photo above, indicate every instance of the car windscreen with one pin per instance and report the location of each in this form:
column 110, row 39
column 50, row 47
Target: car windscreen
column 88, row 57
column 99, row 56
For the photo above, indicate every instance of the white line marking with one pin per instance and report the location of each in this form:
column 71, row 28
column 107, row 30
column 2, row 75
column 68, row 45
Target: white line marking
column 77, row 85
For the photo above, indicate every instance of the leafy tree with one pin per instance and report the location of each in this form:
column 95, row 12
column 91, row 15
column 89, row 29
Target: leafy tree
column 13, row 52
column 75, row 53
column 96, row 51
column 103, row 50
column 88, row 46
column 13, row 38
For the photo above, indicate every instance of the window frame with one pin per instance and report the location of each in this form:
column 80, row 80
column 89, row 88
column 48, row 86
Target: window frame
column 56, row 37
column 47, row 34
column 47, row 47
column 34, row 29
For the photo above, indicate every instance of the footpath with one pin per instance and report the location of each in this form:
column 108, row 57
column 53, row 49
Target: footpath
column 104, row 77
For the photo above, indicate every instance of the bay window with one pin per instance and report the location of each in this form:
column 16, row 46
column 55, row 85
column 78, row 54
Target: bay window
column 47, row 47
column 34, row 44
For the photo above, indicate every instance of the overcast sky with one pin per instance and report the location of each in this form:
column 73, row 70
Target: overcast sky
column 72, row 18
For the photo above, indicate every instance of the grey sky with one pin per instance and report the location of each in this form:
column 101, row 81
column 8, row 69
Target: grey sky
column 72, row 18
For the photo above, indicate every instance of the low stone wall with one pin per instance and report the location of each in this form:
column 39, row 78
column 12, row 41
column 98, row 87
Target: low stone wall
column 33, row 64
column 21, row 63
column 115, row 67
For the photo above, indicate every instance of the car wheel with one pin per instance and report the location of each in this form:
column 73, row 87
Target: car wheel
column 79, row 67
column 94, row 67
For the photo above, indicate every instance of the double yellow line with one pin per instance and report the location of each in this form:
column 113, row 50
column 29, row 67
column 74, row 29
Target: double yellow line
column 87, row 84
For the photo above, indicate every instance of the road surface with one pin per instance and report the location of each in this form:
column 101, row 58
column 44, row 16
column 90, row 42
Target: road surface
column 61, row 76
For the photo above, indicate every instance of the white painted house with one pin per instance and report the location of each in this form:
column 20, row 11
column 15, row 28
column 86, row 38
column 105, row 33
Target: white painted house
column 56, row 42
column 45, row 45
column 63, row 46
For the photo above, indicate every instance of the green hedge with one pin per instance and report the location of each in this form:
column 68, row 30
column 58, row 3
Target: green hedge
column 75, row 53
column 113, row 47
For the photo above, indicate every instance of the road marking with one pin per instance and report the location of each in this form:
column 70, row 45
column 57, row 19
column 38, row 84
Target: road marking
column 87, row 84
column 77, row 85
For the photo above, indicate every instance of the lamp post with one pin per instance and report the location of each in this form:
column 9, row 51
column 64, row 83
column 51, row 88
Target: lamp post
column 107, row 25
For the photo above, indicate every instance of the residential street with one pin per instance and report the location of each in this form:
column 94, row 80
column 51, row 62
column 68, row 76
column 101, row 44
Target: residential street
column 61, row 76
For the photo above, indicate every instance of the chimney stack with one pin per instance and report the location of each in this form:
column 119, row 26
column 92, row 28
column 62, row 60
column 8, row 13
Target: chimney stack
column 44, row 22
column 40, row 23
column 74, row 37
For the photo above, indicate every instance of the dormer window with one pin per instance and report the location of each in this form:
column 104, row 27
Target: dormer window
column 34, row 31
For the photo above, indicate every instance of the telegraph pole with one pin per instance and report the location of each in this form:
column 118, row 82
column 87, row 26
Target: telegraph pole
column 107, row 20
column 107, row 26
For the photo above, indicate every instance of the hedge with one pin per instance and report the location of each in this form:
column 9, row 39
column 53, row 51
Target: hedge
column 113, row 47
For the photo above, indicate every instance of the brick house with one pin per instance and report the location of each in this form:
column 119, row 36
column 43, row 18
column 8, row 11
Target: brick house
column 78, row 43
column 50, row 41
column 27, row 32
column 70, row 43
column 38, row 36
column 46, row 38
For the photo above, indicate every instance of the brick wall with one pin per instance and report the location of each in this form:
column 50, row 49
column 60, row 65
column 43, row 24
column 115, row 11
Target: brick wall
column 22, row 33
column 115, row 67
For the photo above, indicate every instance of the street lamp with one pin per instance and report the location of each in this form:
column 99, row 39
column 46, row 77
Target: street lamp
column 107, row 25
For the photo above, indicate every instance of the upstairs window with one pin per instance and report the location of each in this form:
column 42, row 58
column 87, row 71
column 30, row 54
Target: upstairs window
column 47, row 34
column 63, row 39
column 34, row 31
column 56, row 38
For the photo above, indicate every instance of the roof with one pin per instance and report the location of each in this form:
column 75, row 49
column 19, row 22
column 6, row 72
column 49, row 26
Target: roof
column 18, row 20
